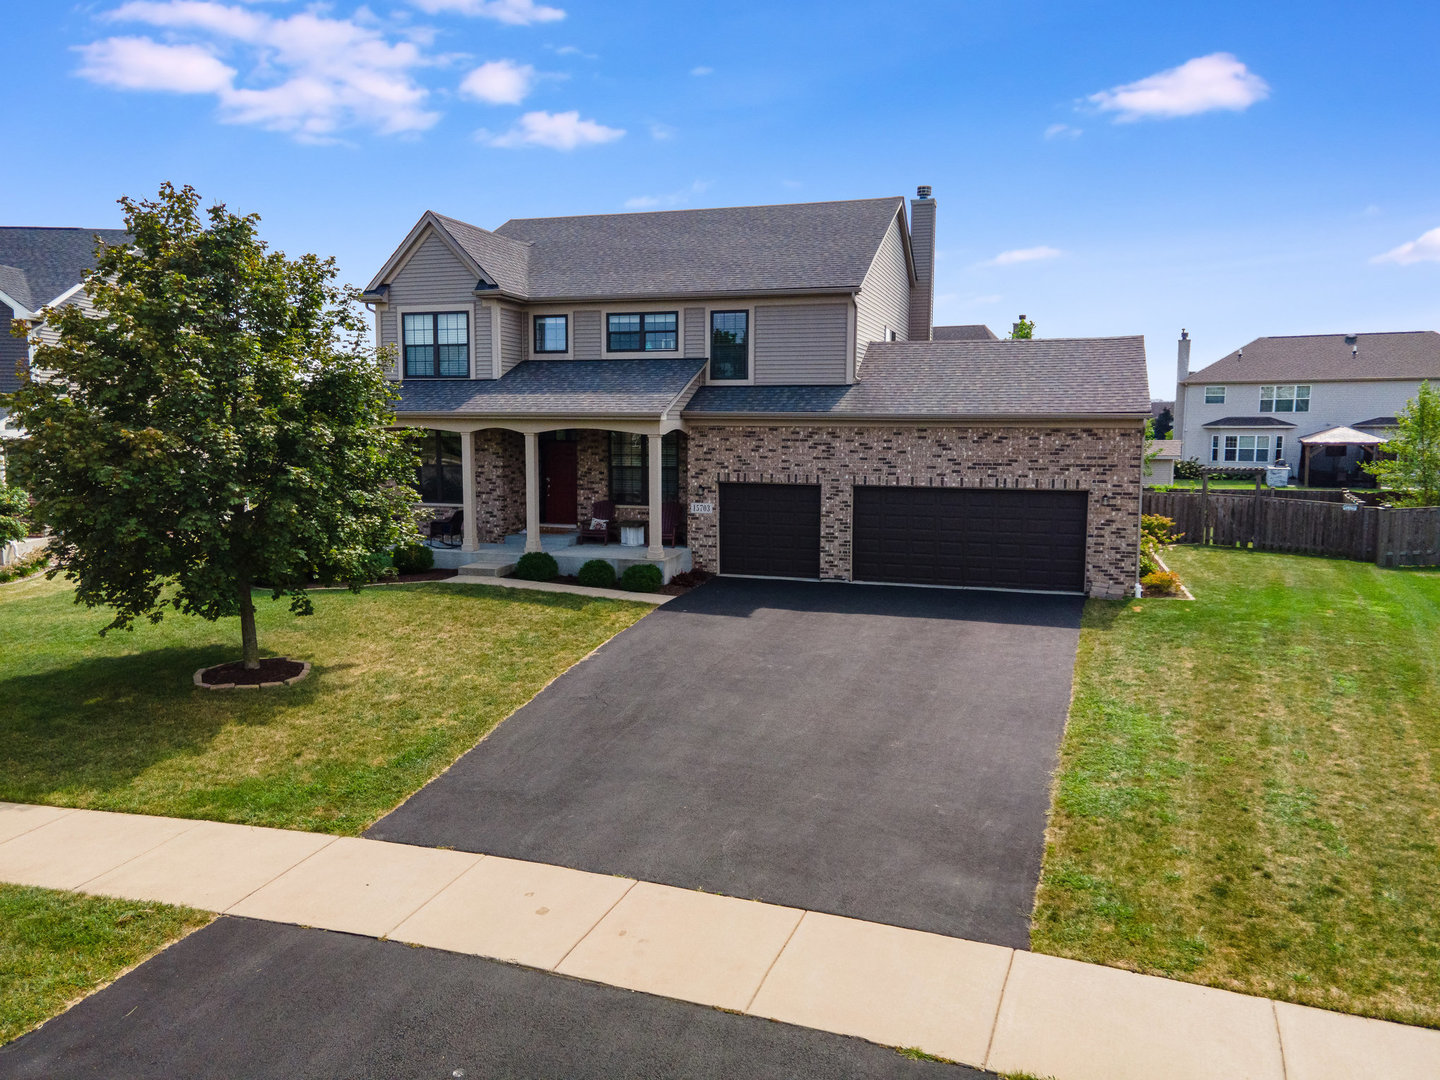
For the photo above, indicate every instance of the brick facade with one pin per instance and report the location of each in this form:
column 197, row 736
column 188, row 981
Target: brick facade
column 1103, row 461
column 499, row 484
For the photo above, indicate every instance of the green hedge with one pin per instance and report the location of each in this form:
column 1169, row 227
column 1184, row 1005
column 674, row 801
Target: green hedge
column 537, row 566
column 642, row 577
column 597, row 574
column 414, row 559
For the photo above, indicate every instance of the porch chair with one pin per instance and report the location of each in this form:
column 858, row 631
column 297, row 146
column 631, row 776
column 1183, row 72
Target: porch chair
column 669, row 523
column 448, row 529
column 602, row 516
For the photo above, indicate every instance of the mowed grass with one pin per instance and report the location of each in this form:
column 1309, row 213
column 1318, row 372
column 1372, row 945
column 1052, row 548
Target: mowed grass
column 1249, row 794
column 56, row 947
column 405, row 679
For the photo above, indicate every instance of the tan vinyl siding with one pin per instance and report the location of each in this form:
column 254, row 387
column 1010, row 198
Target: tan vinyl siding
column 433, row 278
column 585, row 331
column 799, row 343
column 884, row 300
column 481, row 362
column 512, row 338
column 695, row 333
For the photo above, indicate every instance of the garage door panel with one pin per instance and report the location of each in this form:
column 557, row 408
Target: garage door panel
column 771, row 530
column 984, row 537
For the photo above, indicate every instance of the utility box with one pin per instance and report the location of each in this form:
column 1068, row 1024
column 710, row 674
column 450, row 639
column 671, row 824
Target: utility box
column 1277, row 476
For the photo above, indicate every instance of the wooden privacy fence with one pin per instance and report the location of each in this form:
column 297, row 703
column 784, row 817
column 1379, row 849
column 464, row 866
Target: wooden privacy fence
column 1386, row 537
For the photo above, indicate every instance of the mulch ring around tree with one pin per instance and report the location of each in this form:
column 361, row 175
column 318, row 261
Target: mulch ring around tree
column 273, row 671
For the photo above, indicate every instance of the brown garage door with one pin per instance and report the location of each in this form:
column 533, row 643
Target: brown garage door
column 981, row 537
column 772, row 530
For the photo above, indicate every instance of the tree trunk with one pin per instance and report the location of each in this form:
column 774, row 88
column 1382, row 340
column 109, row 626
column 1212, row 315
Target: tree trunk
column 250, row 644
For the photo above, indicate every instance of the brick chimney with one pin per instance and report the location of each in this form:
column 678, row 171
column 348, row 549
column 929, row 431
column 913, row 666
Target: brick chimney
column 922, row 246
column 1182, row 369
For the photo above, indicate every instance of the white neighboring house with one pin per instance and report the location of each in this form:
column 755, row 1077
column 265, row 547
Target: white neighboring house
column 1256, row 405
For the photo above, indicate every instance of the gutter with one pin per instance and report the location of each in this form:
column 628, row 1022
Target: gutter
column 928, row 418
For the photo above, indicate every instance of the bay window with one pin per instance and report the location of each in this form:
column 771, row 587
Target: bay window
column 1243, row 448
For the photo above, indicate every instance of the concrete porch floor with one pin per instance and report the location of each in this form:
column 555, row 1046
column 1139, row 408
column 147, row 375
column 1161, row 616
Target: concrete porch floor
column 498, row 560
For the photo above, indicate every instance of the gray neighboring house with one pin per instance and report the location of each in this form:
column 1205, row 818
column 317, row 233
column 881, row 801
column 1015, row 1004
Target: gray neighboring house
column 971, row 332
column 39, row 267
column 1320, row 403
column 767, row 383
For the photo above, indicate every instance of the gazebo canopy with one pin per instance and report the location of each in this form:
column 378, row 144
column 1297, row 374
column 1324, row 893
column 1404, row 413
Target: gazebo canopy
column 1341, row 436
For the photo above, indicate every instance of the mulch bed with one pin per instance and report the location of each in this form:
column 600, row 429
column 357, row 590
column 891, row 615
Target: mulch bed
column 679, row 585
column 272, row 669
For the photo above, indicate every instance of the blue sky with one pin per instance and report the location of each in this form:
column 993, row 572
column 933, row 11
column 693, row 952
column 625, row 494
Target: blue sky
column 1105, row 168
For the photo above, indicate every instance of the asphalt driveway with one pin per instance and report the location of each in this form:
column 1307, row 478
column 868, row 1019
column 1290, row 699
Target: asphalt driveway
column 878, row 752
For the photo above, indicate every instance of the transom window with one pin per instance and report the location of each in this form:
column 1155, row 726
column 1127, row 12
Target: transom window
column 729, row 345
column 1214, row 395
column 437, row 345
column 552, row 333
column 630, row 468
column 1256, row 448
column 1285, row 398
column 437, row 478
column 654, row 331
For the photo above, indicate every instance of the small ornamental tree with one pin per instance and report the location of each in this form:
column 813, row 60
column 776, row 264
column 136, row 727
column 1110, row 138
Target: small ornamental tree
column 1412, row 461
column 1022, row 330
column 217, row 421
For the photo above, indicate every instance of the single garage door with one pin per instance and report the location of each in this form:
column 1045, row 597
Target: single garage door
column 770, row 529
column 983, row 537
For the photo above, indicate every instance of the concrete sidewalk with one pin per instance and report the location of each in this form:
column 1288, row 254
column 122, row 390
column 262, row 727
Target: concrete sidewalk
column 979, row 1004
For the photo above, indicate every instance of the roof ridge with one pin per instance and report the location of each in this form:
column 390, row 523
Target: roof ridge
column 1343, row 333
column 704, row 209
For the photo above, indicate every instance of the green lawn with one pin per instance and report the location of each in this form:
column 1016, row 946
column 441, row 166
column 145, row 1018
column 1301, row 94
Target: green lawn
column 1249, row 794
column 405, row 679
column 56, row 947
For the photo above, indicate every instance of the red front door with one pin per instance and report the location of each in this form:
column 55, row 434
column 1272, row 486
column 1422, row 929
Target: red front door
column 558, row 473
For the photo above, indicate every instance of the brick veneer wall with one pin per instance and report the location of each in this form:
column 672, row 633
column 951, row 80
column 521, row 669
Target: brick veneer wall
column 499, row 484
column 593, row 483
column 1105, row 461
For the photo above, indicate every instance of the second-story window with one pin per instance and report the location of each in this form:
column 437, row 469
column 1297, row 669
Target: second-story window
column 1214, row 395
column 1285, row 398
column 729, row 345
column 654, row 331
column 552, row 333
column 437, row 345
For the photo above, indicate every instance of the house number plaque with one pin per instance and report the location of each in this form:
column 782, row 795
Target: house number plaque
column 702, row 508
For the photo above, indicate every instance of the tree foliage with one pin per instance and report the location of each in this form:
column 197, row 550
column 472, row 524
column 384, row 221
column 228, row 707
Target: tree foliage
column 217, row 420
column 1022, row 330
column 1412, row 461
column 14, row 508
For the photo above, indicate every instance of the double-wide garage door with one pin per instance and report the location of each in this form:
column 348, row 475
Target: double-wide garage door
column 981, row 537
column 978, row 537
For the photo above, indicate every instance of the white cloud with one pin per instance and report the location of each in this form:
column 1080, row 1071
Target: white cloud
column 514, row 12
column 573, row 50
column 1425, row 249
column 558, row 131
column 137, row 63
column 1217, row 81
column 1024, row 255
column 1062, row 131
column 500, row 82
column 661, row 132
column 702, row 71
column 306, row 73
column 675, row 198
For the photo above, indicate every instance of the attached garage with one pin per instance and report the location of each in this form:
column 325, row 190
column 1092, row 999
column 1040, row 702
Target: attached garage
column 999, row 538
column 770, row 530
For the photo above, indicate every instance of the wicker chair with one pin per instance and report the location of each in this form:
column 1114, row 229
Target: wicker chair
column 449, row 529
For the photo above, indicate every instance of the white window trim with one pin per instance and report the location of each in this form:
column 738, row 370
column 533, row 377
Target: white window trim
column 1295, row 396
column 749, row 310
column 1222, row 395
column 643, row 309
column 401, row 310
column 531, row 315
column 1218, row 447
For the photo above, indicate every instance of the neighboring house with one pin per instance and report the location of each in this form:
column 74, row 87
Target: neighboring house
column 971, row 332
column 1283, row 399
column 1160, row 469
column 769, row 374
column 39, row 267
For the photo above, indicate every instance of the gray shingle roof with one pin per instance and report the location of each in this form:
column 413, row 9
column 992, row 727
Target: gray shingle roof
column 549, row 387
column 1378, row 422
column 1041, row 378
column 745, row 249
column 52, row 260
column 14, row 284
column 1248, row 421
column 506, row 261
column 1165, row 449
column 1327, row 358
column 969, row 332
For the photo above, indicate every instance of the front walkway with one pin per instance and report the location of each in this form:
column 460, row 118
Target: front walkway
column 978, row 1004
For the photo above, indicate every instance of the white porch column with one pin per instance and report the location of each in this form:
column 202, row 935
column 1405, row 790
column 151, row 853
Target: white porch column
column 471, row 540
column 655, row 551
column 532, row 491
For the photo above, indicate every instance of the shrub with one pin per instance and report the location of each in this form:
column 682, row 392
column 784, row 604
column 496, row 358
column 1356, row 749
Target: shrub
column 1164, row 582
column 689, row 579
column 1149, row 564
column 413, row 559
column 1159, row 528
column 597, row 574
column 25, row 566
column 14, row 506
column 1189, row 469
column 642, row 577
column 537, row 566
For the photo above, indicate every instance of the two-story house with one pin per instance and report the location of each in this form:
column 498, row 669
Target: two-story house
column 1321, row 403
column 770, row 374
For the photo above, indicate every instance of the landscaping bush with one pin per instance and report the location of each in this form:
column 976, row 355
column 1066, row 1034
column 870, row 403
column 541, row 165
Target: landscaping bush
column 1159, row 528
column 689, row 579
column 1189, row 469
column 642, row 577
column 26, row 565
column 537, row 566
column 1164, row 582
column 413, row 559
column 1149, row 563
column 14, row 507
column 597, row 574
